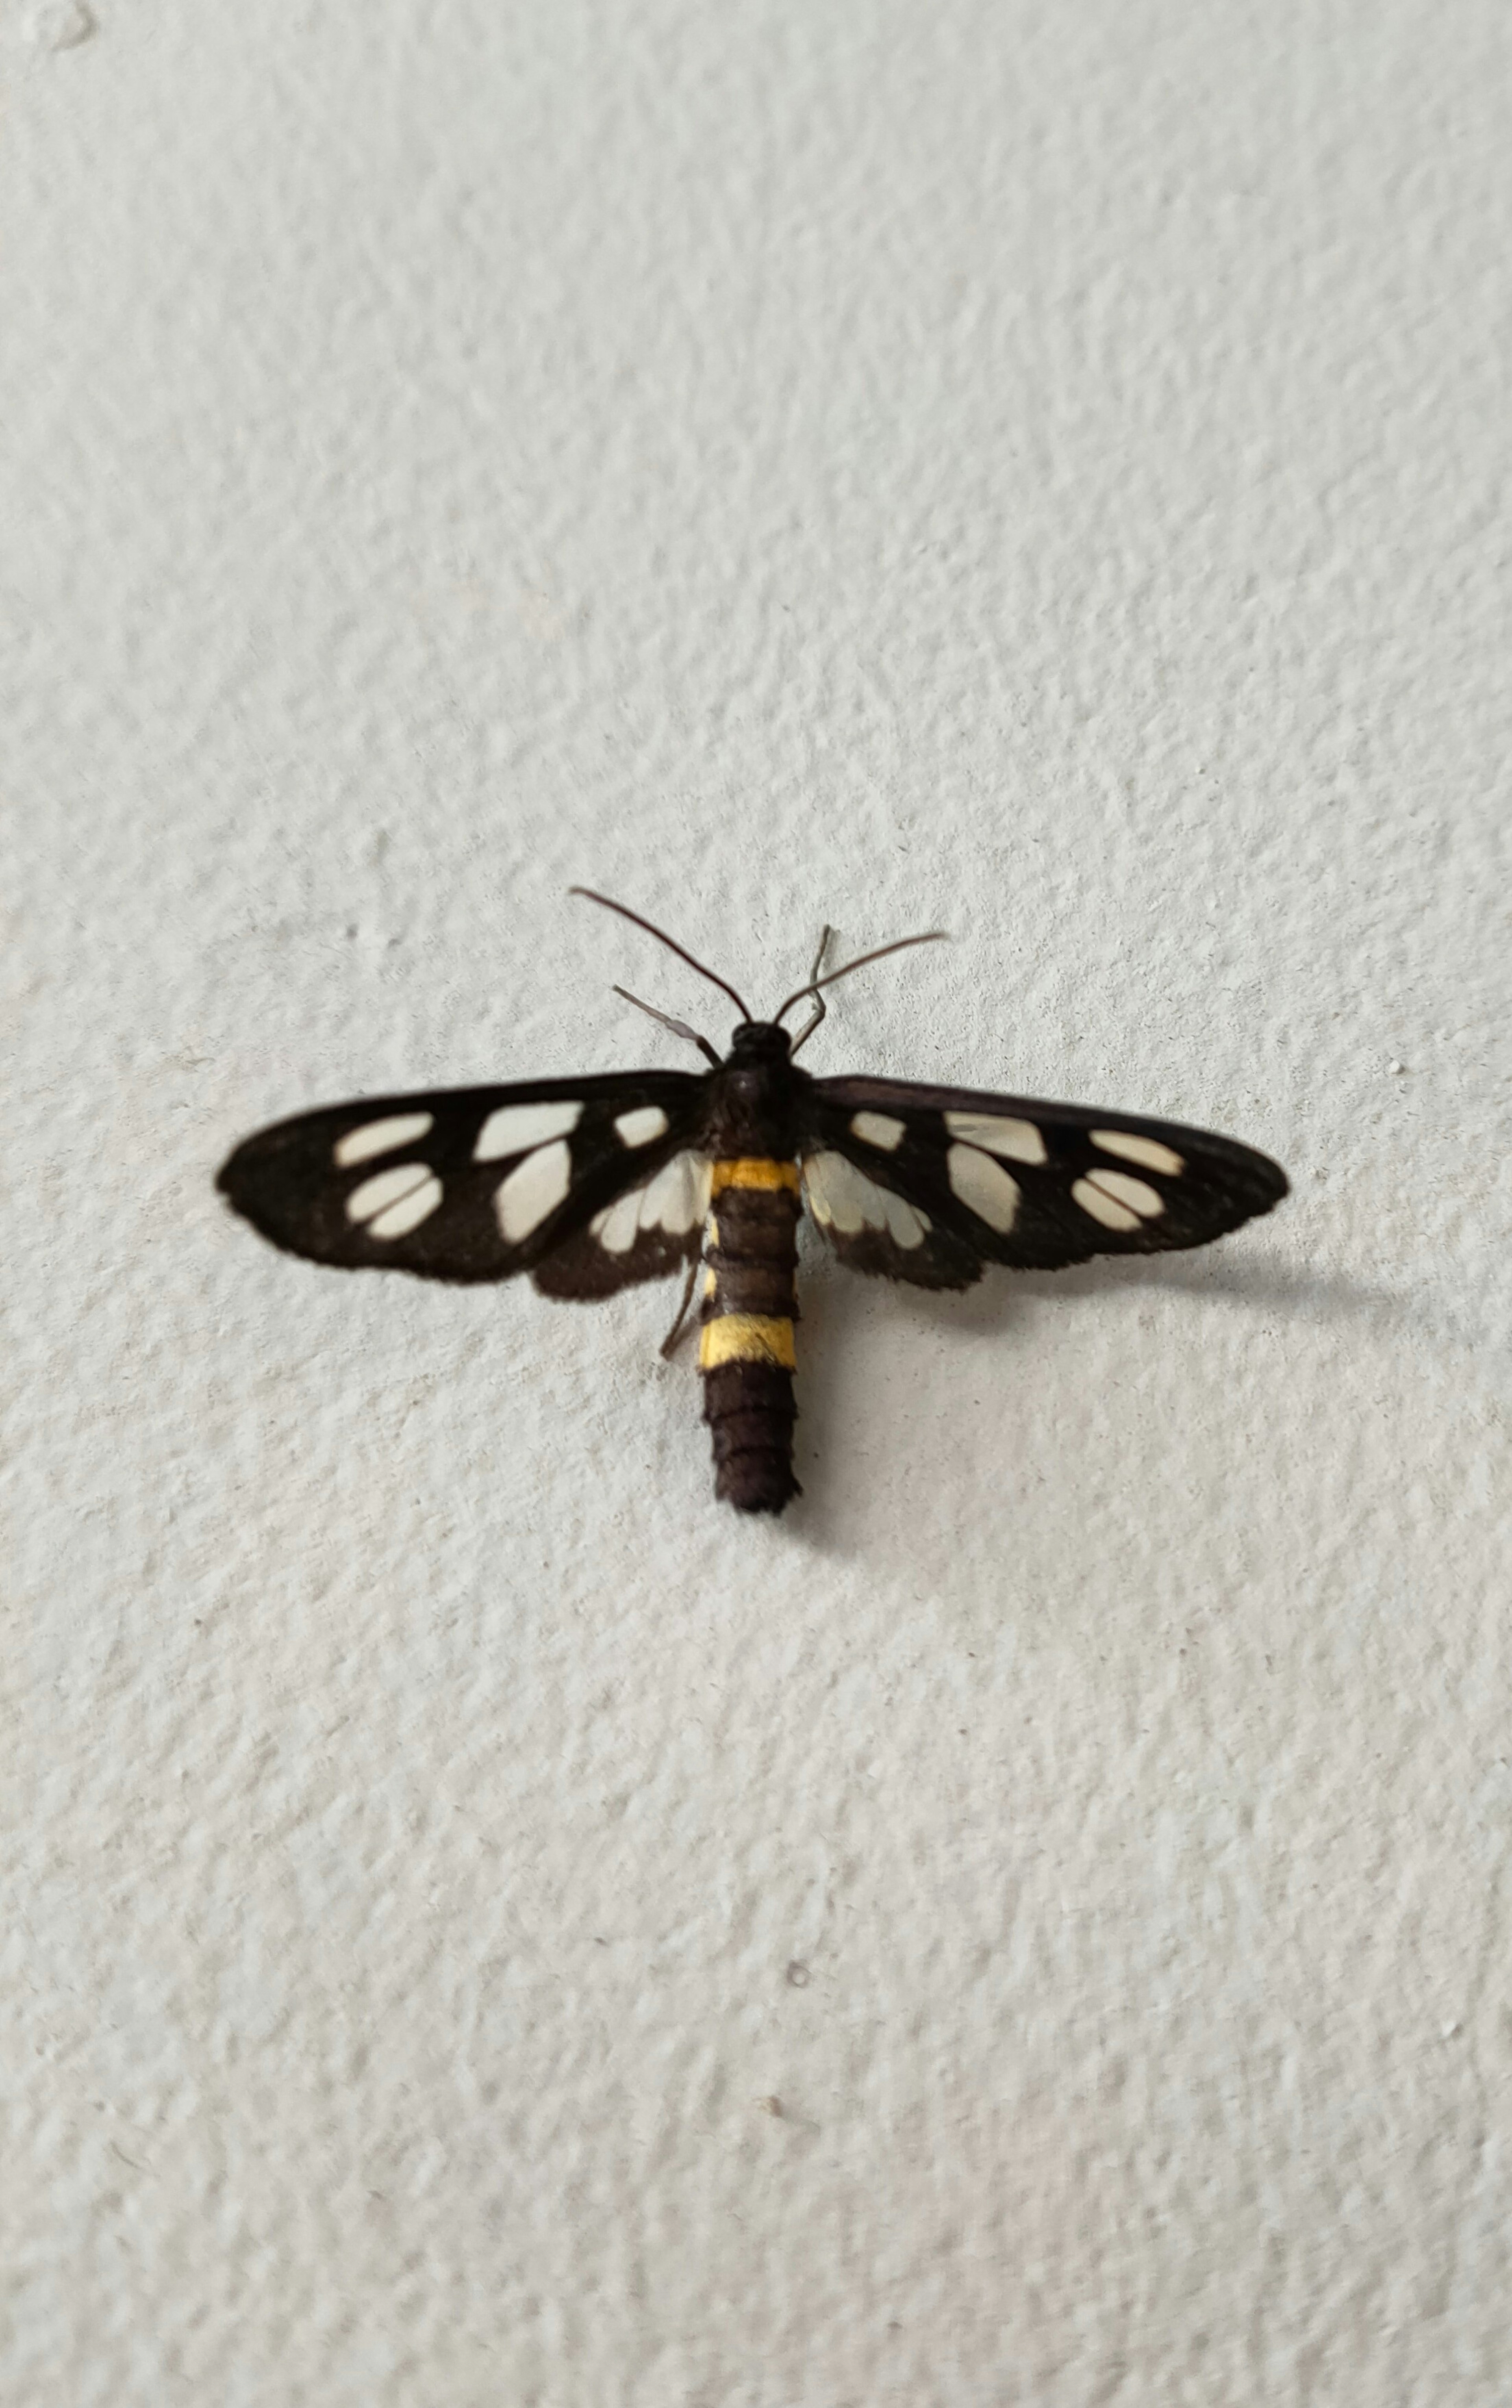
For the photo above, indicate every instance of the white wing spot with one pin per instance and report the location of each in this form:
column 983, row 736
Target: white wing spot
column 641, row 1126
column 876, row 1128
column 909, row 1223
column 1135, row 1193
column 1146, row 1151
column 834, row 1193
column 393, row 1202
column 842, row 1198
column 1117, row 1200
column 381, row 1136
column 1020, row 1140
column 1105, row 1208
column 617, row 1227
column 516, row 1128
column 408, row 1212
column 675, row 1200
column 984, row 1186
column 533, row 1189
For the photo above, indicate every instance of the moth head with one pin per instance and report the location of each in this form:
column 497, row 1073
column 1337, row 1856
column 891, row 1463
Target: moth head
column 759, row 1040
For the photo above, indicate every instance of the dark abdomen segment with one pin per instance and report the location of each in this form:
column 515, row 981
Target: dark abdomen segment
column 746, row 1353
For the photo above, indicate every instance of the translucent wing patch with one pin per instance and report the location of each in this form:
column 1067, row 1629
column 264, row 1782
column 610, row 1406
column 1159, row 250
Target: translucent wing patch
column 471, row 1184
column 646, row 1233
column 1003, row 1179
column 874, row 1228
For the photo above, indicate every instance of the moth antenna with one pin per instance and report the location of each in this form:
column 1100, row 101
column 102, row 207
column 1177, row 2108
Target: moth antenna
column 662, row 939
column 811, row 1024
column 679, row 1027
column 930, row 937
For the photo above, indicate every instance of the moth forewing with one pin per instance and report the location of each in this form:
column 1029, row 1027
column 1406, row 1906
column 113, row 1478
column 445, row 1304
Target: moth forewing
column 1032, row 1185
column 462, row 1184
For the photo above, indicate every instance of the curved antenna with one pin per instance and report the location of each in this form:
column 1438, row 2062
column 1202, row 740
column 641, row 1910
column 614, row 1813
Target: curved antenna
column 818, row 1013
column 679, row 1027
column 930, row 937
column 662, row 938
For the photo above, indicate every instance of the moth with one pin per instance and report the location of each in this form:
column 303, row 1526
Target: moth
column 593, row 1184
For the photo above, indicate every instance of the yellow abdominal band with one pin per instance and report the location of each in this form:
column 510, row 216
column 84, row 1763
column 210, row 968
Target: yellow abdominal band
column 752, row 1172
column 746, row 1338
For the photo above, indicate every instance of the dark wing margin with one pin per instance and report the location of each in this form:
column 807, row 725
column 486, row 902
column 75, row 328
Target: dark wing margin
column 478, row 1183
column 1006, row 1178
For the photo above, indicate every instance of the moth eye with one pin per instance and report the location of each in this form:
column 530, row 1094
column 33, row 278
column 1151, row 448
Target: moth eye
column 1146, row 1151
column 514, row 1127
column 996, row 1133
column 393, row 1202
column 984, row 1186
column 639, row 1127
column 534, row 1188
column 381, row 1136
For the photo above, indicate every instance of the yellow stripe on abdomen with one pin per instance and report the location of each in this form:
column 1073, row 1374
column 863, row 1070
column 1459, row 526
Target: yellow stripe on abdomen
column 750, row 1170
column 746, row 1338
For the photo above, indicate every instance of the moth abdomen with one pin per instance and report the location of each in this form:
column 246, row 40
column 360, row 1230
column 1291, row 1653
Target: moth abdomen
column 750, row 1413
column 745, row 1352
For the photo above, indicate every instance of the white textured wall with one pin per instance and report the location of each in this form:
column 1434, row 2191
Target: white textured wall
column 1039, row 468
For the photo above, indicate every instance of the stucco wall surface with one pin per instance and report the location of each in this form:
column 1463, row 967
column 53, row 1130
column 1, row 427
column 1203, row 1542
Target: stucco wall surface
column 485, row 1925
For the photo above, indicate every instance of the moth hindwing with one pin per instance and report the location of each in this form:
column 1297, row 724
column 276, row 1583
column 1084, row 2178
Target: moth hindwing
column 592, row 1184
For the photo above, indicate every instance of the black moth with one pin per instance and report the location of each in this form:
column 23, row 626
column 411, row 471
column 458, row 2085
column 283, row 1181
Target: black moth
column 593, row 1184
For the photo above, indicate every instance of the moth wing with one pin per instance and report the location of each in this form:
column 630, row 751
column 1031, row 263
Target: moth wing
column 462, row 1183
column 650, row 1230
column 1006, row 1178
column 876, row 1225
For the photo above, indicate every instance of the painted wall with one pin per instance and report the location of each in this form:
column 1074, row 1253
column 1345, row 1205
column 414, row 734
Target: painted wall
column 1032, row 1927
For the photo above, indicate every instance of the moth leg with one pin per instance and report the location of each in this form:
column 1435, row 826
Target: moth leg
column 670, row 1343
